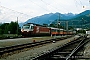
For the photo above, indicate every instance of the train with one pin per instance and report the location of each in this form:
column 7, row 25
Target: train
column 31, row 29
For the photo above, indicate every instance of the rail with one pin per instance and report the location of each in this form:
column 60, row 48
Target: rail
column 27, row 45
column 65, row 52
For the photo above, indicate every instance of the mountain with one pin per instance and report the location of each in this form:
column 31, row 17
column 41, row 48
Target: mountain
column 81, row 20
column 83, row 13
column 21, row 24
column 48, row 18
column 75, row 20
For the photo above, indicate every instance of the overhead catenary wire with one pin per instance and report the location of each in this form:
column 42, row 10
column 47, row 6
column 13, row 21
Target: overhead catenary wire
column 14, row 10
column 81, row 4
column 89, row 1
column 42, row 7
column 39, row 6
column 76, row 5
column 62, row 7
column 50, row 5
column 7, row 13
column 76, row 2
column 46, row 3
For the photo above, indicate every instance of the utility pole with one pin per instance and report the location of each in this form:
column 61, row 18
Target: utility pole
column 58, row 23
column 59, row 19
column 67, row 26
column 17, row 25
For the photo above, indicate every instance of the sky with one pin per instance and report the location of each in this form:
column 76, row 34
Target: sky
column 26, row 9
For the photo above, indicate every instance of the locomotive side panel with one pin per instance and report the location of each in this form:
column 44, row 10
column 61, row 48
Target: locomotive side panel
column 44, row 30
column 35, row 30
column 38, row 30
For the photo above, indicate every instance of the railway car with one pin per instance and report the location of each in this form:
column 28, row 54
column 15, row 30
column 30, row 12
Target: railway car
column 69, row 32
column 34, row 30
column 88, row 32
column 57, row 31
column 61, row 32
column 54, row 31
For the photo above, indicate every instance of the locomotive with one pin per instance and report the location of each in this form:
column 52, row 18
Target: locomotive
column 31, row 29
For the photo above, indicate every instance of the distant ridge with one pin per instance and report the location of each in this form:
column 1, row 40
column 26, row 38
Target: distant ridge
column 83, row 13
column 52, row 17
column 82, row 20
column 47, row 18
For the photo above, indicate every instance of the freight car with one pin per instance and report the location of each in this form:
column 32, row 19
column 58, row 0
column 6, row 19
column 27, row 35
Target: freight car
column 31, row 29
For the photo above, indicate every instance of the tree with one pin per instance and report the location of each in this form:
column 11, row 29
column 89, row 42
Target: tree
column 70, row 27
column 45, row 25
column 11, row 28
column 2, row 27
column 1, row 31
column 51, row 25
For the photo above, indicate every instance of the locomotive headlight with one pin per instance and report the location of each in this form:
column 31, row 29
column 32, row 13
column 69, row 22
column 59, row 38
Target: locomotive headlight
column 27, row 31
column 22, row 30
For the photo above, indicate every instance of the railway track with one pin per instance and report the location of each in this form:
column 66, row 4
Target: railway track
column 69, row 51
column 11, row 49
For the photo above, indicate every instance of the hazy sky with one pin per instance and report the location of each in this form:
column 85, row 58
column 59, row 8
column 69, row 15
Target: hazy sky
column 26, row 9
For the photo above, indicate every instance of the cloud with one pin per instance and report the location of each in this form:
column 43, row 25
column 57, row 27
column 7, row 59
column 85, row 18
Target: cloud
column 25, row 9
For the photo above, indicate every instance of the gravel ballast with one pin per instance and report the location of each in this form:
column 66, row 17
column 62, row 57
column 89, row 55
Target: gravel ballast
column 34, row 52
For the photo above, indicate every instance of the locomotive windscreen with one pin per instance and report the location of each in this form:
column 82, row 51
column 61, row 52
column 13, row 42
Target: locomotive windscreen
column 26, row 26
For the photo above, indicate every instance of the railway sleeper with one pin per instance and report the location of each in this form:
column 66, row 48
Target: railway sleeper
column 64, row 58
column 64, row 52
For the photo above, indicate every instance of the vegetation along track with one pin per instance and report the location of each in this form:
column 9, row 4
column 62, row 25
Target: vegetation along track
column 5, row 51
column 66, row 52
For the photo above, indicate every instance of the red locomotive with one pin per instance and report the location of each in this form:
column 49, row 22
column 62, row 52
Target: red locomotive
column 34, row 30
column 31, row 29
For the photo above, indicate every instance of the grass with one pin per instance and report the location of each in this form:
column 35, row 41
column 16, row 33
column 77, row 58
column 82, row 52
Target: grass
column 5, row 36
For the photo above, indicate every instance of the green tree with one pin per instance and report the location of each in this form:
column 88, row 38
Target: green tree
column 1, row 31
column 45, row 25
column 51, row 25
column 2, row 27
column 11, row 28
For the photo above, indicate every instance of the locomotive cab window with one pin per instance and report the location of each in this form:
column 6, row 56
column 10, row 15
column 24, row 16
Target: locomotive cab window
column 26, row 26
column 32, row 27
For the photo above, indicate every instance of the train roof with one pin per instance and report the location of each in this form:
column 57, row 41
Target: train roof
column 33, row 24
column 56, row 28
